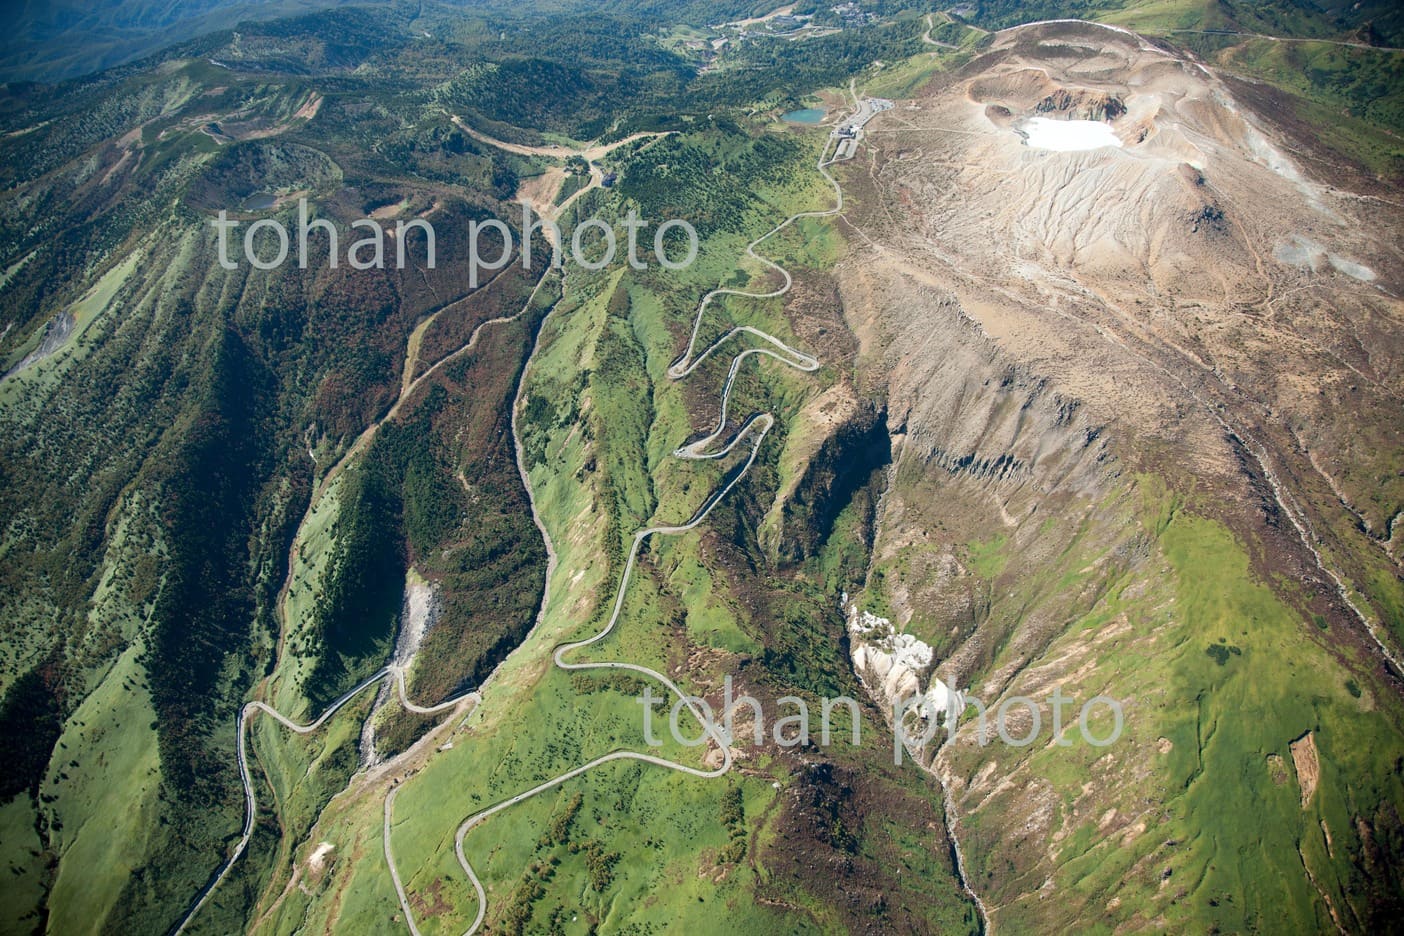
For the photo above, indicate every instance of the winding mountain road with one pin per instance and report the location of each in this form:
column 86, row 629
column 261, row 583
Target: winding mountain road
column 246, row 715
column 590, row 152
column 755, row 428
column 251, row 709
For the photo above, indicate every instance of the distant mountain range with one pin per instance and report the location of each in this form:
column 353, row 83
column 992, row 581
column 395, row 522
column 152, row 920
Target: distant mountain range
column 52, row 41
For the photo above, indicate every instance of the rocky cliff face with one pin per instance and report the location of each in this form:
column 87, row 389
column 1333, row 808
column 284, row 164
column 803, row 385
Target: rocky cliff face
column 844, row 461
column 1092, row 105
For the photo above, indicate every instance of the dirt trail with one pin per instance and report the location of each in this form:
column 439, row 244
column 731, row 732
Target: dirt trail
column 589, row 153
column 1253, row 35
column 926, row 36
column 408, row 385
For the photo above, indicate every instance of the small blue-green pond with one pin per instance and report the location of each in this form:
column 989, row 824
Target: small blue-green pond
column 809, row 115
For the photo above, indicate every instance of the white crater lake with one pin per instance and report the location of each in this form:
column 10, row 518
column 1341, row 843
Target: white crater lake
column 1068, row 135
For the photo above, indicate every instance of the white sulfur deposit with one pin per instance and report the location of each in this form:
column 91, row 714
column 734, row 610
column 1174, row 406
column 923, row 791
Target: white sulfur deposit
column 895, row 667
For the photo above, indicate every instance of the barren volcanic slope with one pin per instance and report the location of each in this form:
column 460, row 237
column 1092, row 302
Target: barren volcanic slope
column 1145, row 409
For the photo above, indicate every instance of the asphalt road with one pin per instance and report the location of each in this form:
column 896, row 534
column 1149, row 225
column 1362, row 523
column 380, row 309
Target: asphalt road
column 755, row 428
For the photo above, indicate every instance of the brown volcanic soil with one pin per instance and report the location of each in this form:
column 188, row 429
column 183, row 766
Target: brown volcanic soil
column 1196, row 305
column 1192, row 286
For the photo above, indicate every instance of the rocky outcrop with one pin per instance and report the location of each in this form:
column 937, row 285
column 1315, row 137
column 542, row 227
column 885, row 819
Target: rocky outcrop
column 896, row 669
column 1308, row 766
column 419, row 614
column 1081, row 105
